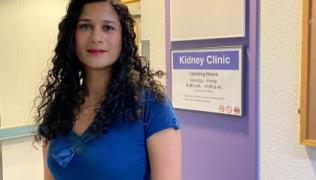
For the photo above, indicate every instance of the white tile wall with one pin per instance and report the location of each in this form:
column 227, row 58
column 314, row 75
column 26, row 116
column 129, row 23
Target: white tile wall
column 20, row 160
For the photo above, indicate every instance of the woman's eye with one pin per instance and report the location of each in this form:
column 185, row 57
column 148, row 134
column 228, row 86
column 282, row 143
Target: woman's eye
column 84, row 26
column 108, row 28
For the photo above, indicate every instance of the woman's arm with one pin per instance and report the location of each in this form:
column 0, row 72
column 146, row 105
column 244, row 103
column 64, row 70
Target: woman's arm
column 164, row 150
column 47, row 174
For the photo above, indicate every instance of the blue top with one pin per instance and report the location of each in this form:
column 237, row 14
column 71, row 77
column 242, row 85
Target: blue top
column 118, row 154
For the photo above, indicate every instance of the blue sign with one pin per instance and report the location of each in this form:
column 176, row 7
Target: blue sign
column 216, row 60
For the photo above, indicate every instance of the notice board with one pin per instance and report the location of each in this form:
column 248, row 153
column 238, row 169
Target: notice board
column 207, row 19
column 208, row 79
column 308, row 75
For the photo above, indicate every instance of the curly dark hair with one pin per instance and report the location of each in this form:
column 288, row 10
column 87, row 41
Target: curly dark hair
column 64, row 88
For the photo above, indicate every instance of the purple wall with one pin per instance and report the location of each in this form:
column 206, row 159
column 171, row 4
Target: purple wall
column 221, row 147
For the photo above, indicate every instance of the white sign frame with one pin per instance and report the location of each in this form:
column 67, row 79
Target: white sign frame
column 208, row 90
column 207, row 19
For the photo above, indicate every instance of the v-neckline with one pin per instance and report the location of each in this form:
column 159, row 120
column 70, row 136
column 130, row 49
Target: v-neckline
column 86, row 136
column 85, row 131
column 79, row 135
column 89, row 126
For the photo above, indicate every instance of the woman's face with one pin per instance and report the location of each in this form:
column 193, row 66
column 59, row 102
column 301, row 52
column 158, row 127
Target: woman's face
column 98, row 36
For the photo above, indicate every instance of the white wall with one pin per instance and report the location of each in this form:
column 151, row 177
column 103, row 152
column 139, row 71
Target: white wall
column 134, row 7
column 27, row 38
column 11, row 79
column 153, row 29
column 281, row 155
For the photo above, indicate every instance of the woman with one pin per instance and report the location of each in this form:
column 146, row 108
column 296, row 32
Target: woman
column 102, row 115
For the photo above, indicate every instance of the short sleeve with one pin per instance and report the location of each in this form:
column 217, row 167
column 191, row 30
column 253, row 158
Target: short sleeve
column 159, row 115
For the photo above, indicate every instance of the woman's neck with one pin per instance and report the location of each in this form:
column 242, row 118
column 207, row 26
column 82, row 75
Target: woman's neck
column 97, row 82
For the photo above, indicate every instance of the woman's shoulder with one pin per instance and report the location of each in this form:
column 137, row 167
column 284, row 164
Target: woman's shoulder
column 158, row 114
column 150, row 95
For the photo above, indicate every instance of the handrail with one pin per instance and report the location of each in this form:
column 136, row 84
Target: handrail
column 14, row 132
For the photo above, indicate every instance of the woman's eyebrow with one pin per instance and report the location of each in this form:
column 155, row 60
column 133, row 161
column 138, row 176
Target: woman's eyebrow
column 105, row 21
column 109, row 21
column 86, row 20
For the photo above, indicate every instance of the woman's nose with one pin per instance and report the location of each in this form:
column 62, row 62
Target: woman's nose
column 97, row 36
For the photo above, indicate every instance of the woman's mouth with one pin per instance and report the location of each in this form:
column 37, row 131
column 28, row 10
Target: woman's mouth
column 96, row 51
